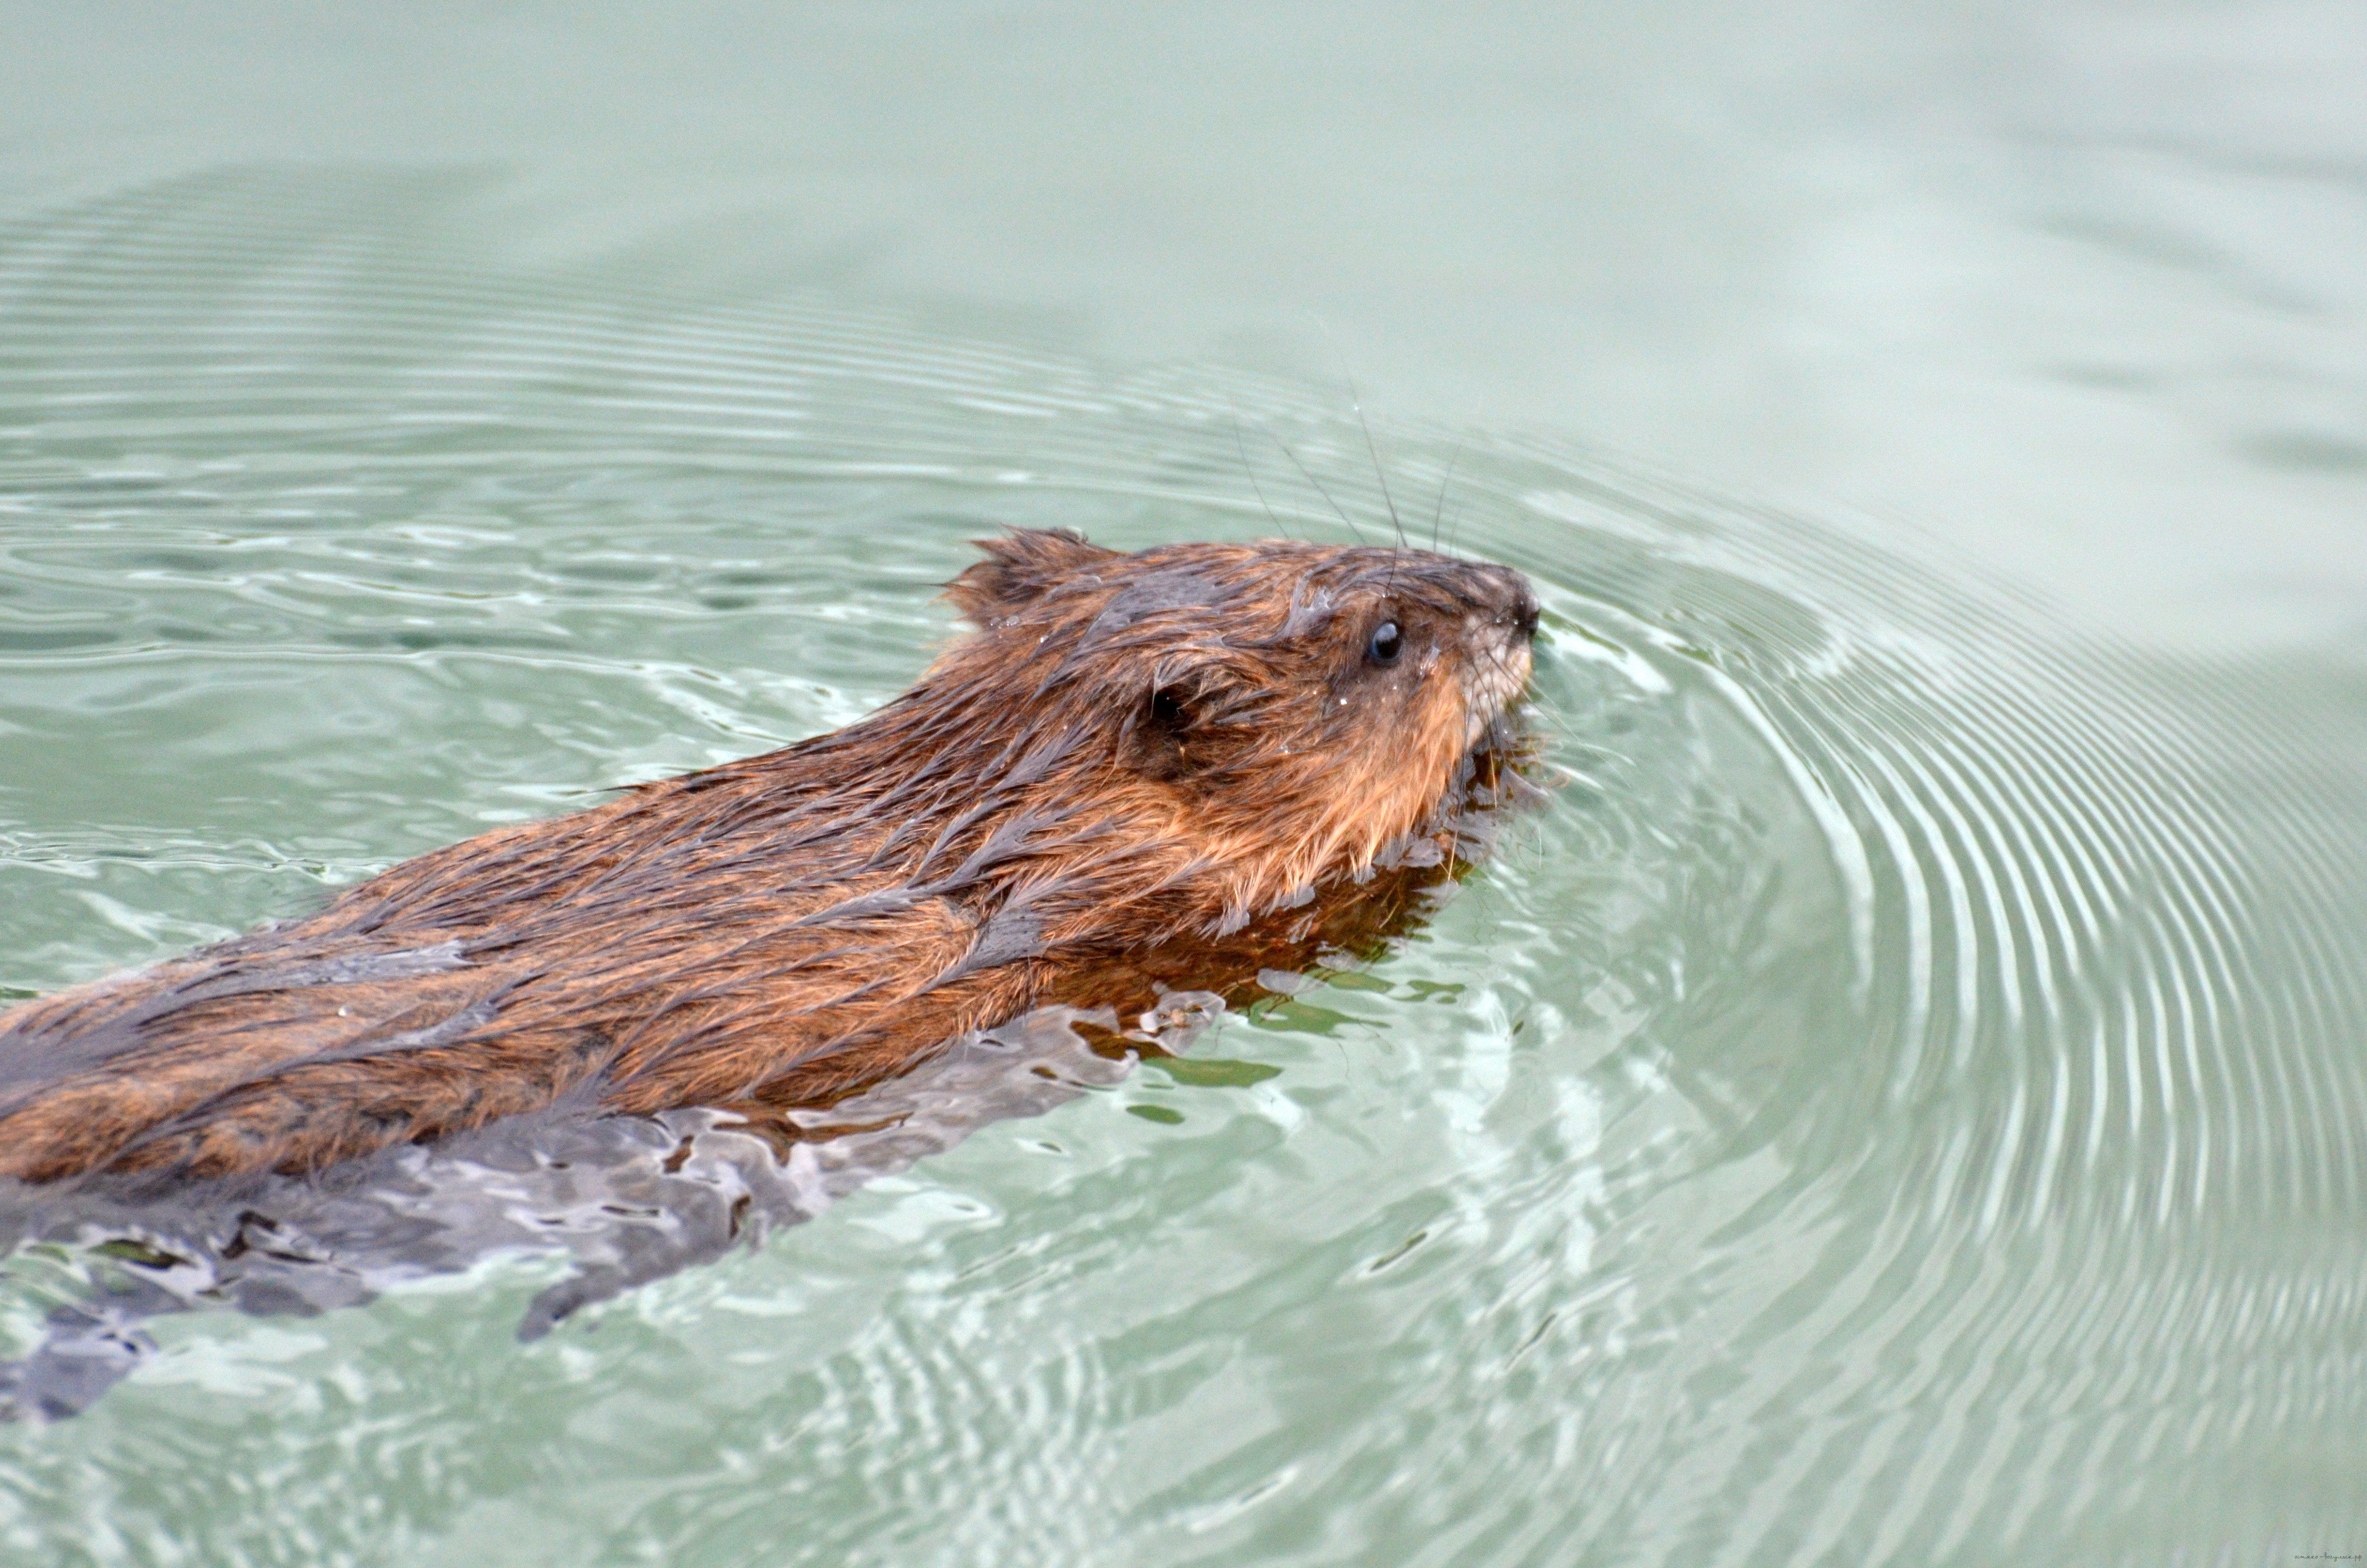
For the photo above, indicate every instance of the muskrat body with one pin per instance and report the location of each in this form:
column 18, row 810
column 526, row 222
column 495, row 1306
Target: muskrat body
column 1134, row 764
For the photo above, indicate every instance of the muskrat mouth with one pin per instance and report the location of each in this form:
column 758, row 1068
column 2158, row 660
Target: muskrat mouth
column 1495, row 772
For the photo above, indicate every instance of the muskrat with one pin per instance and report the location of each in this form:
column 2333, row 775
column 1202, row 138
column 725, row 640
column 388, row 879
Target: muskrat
column 1134, row 763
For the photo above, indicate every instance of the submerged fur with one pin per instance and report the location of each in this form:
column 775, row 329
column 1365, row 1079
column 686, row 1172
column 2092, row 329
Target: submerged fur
column 1134, row 763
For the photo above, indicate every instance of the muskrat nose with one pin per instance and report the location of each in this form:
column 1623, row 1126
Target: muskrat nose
column 1505, row 597
column 1525, row 616
column 1515, row 604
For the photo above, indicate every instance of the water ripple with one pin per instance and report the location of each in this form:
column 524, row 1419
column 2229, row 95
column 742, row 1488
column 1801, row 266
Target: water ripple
column 1898, row 1100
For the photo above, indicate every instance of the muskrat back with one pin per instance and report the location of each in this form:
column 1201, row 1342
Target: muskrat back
column 1130, row 757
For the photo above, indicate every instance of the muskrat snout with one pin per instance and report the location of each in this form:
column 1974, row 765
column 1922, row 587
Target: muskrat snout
column 1524, row 616
column 1507, row 593
column 1497, row 629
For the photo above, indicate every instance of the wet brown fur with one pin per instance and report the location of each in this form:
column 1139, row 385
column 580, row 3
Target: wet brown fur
column 1140, row 768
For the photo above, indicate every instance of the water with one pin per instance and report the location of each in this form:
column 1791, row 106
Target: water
column 1898, row 1101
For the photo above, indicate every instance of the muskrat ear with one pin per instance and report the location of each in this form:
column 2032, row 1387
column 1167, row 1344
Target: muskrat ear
column 1155, row 740
column 1198, row 717
column 1018, row 567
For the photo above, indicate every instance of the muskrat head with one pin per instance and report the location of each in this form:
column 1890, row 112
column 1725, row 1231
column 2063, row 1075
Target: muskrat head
column 1280, row 711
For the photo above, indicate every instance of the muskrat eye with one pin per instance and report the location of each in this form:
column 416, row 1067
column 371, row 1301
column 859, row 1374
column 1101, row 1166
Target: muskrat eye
column 1387, row 643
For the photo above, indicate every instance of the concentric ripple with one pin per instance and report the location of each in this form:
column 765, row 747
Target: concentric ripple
column 1899, row 1100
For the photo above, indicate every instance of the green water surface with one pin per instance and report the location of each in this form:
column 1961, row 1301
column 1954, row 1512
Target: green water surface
column 1899, row 1100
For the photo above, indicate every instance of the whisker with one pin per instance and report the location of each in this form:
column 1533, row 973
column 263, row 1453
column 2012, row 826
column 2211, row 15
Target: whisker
column 1356, row 401
column 1387, row 500
column 1440, row 510
column 1242, row 447
column 1326, row 494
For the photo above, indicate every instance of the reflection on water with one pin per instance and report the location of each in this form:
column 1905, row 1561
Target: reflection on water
column 1896, row 1100
column 621, row 1201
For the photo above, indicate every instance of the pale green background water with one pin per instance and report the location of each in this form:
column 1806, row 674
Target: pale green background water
column 1904, row 1103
